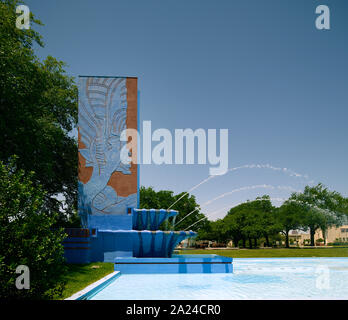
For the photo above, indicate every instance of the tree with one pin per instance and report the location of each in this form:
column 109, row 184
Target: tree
column 268, row 221
column 289, row 216
column 215, row 231
column 252, row 220
column 27, row 237
column 205, row 231
column 252, row 229
column 189, row 211
column 38, row 109
column 149, row 199
column 233, row 228
column 218, row 230
column 321, row 208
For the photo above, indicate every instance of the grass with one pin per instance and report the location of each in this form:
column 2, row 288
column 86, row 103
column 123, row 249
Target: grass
column 80, row 276
column 274, row 253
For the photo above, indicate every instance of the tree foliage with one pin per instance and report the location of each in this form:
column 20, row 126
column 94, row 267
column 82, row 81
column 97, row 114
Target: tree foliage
column 27, row 237
column 316, row 207
column 320, row 208
column 246, row 222
column 253, row 220
column 290, row 217
column 38, row 108
column 189, row 211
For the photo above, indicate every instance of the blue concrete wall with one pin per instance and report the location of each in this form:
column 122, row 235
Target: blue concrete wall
column 110, row 222
column 110, row 244
column 106, row 245
column 77, row 246
column 177, row 264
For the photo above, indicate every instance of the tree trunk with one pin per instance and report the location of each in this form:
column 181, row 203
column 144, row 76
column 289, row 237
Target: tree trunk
column 235, row 242
column 312, row 232
column 244, row 243
column 267, row 240
column 287, row 238
column 250, row 244
column 324, row 236
column 255, row 243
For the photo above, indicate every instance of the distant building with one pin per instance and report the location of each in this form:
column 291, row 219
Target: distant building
column 333, row 234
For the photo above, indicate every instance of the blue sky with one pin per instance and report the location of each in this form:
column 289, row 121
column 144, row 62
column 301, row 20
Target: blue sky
column 259, row 68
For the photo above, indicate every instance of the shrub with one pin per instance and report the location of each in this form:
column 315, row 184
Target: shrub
column 337, row 243
column 306, row 242
column 27, row 238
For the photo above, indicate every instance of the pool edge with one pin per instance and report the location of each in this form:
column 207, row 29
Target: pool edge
column 92, row 289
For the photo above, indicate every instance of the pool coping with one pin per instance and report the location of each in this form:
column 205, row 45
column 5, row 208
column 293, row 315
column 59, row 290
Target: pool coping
column 95, row 287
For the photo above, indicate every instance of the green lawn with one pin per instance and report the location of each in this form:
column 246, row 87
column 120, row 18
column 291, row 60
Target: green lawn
column 80, row 276
column 274, row 253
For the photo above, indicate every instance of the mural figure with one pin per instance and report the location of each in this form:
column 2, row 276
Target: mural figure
column 102, row 118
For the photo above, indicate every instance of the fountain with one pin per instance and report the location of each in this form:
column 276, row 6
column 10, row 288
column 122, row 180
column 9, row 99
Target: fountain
column 153, row 249
column 113, row 229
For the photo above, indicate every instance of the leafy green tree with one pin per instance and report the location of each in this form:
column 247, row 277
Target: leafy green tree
column 252, row 228
column 205, row 231
column 149, row 199
column 27, row 237
column 215, row 231
column 252, row 220
column 38, row 109
column 289, row 216
column 189, row 210
column 321, row 207
column 218, row 230
column 233, row 227
column 268, row 222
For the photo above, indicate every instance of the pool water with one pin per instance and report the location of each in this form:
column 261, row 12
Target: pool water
column 261, row 278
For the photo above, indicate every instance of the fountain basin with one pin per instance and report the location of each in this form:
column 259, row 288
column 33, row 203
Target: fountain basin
column 150, row 219
column 109, row 244
column 205, row 263
column 157, row 243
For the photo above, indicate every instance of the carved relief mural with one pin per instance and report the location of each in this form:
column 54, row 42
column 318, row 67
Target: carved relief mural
column 107, row 106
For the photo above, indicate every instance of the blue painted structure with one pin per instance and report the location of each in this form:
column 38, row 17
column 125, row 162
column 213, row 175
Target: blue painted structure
column 157, row 243
column 111, row 236
column 77, row 246
column 113, row 229
column 144, row 219
column 110, row 222
column 205, row 263
column 102, row 119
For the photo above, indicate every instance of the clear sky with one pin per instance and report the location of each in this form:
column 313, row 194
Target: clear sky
column 259, row 68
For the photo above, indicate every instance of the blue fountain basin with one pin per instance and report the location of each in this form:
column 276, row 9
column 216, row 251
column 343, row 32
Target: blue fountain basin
column 157, row 243
column 150, row 219
column 110, row 244
column 205, row 263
